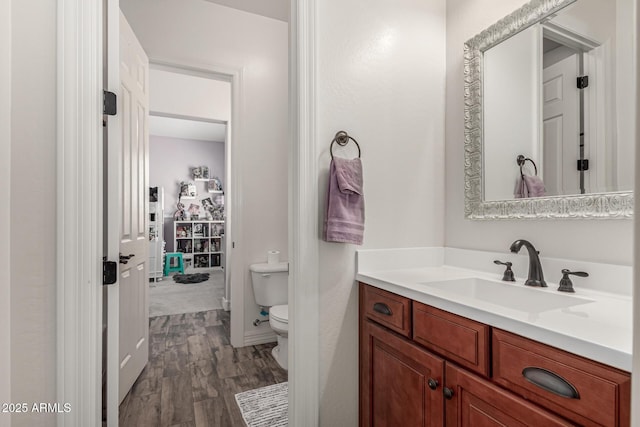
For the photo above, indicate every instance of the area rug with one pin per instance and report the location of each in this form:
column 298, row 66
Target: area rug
column 167, row 297
column 191, row 278
column 266, row 406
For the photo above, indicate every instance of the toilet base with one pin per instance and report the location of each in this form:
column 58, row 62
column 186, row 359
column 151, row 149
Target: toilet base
column 281, row 352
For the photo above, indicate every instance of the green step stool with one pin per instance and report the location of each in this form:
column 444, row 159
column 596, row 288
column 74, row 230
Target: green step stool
column 179, row 263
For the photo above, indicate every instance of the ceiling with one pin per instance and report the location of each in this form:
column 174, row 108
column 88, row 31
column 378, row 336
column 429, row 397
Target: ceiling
column 276, row 9
column 187, row 129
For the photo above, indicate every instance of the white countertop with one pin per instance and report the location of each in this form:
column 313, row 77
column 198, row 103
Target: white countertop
column 598, row 328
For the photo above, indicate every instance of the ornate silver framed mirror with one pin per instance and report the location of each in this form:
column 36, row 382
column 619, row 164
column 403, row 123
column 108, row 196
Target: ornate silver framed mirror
column 540, row 141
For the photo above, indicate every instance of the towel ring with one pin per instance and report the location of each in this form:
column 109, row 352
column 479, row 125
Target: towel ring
column 521, row 161
column 342, row 138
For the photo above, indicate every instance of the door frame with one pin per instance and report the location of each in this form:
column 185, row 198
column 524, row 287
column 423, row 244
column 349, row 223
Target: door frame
column 304, row 241
column 80, row 218
column 233, row 179
column 79, row 211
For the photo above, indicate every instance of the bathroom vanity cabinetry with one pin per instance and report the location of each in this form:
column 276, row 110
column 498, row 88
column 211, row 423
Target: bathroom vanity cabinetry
column 422, row 366
column 398, row 375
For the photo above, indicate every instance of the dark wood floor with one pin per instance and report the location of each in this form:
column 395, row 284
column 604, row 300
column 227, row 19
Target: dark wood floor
column 194, row 373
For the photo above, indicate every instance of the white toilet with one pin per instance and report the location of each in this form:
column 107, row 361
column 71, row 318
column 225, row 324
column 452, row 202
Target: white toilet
column 271, row 288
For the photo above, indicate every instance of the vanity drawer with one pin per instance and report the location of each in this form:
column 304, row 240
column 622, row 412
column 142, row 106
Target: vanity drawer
column 585, row 391
column 459, row 339
column 388, row 309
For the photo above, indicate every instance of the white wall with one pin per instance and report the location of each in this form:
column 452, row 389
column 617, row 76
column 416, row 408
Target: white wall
column 512, row 109
column 626, row 69
column 188, row 95
column 33, row 207
column 589, row 240
column 580, row 18
column 5, row 212
column 170, row 161
column 206, row 34
column 380, row 77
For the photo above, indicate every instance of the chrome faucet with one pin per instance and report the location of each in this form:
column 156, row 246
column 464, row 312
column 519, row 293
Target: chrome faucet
column 535, row 278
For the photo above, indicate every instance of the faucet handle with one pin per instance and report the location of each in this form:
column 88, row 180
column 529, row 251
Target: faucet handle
column 508, row 273
column 566, row 285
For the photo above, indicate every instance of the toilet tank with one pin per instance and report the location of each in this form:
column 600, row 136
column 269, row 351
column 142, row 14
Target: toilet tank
column 270, row 283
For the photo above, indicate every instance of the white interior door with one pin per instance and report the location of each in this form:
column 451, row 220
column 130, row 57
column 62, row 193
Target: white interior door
column 134, row 272
column 127, row 210
column 561, row 127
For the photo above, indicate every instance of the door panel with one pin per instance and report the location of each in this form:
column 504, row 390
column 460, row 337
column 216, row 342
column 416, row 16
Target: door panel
column 561, row 127
column 395, row 382
column 134, row 306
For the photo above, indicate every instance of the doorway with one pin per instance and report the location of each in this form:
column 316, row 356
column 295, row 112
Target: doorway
column 578, row 139
column 257, row 119
column 188, row 231
column 190, row 168
column 77, row 125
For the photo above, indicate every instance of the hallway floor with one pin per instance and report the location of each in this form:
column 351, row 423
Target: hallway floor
column 194, row 373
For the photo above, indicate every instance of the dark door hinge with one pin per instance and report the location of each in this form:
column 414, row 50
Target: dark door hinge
column 109, row 103
column 109, row 272
column 583, row 82
column 583, row 164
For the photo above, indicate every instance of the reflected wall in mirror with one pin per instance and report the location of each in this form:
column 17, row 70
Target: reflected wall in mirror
column 549, row 84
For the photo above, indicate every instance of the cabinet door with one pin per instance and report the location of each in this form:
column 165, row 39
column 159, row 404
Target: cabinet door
column 400, row 383
column 477, row 403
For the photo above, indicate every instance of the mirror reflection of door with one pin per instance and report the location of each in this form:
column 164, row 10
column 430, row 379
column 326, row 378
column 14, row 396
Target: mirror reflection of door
column 532, row 104
column 574, row 118
column 561, row 113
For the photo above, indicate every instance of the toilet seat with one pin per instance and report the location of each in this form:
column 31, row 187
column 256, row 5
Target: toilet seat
column 280, row 313
column 279, row 322
column 279, row 319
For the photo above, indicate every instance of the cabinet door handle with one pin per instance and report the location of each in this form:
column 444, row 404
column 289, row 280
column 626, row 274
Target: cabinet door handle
column 433, row 384
column 550, row 382
column 448, row 393
column 382, row 308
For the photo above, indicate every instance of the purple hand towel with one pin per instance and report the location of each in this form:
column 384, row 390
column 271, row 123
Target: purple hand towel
column 529, row 186
column 344, row 222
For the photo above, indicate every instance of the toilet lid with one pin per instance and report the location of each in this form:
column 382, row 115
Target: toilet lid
column 280, row 313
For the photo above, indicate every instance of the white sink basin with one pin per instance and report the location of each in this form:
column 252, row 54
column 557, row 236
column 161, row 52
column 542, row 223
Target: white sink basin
column 514, row 296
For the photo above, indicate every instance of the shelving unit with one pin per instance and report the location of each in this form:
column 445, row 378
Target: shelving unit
column 200, row 241
column 156, row 236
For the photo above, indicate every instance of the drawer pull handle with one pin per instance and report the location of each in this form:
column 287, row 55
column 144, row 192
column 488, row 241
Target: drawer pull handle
column 382, row 308
column 433, row 384
column 551, row 382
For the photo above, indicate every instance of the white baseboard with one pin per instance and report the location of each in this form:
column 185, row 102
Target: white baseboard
column 226, row 304
column 259, row 337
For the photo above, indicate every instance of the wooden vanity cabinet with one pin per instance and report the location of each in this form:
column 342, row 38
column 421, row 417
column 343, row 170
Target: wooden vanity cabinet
column 402, row 383
column 475, row 402
column 388, row 309
column 591, row 394
column 421, row 366
column 463, row 341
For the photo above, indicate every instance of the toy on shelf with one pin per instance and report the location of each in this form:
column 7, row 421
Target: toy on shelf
column 214, row 185
column 188, row 190
column 180, row 214
column 200, row 173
